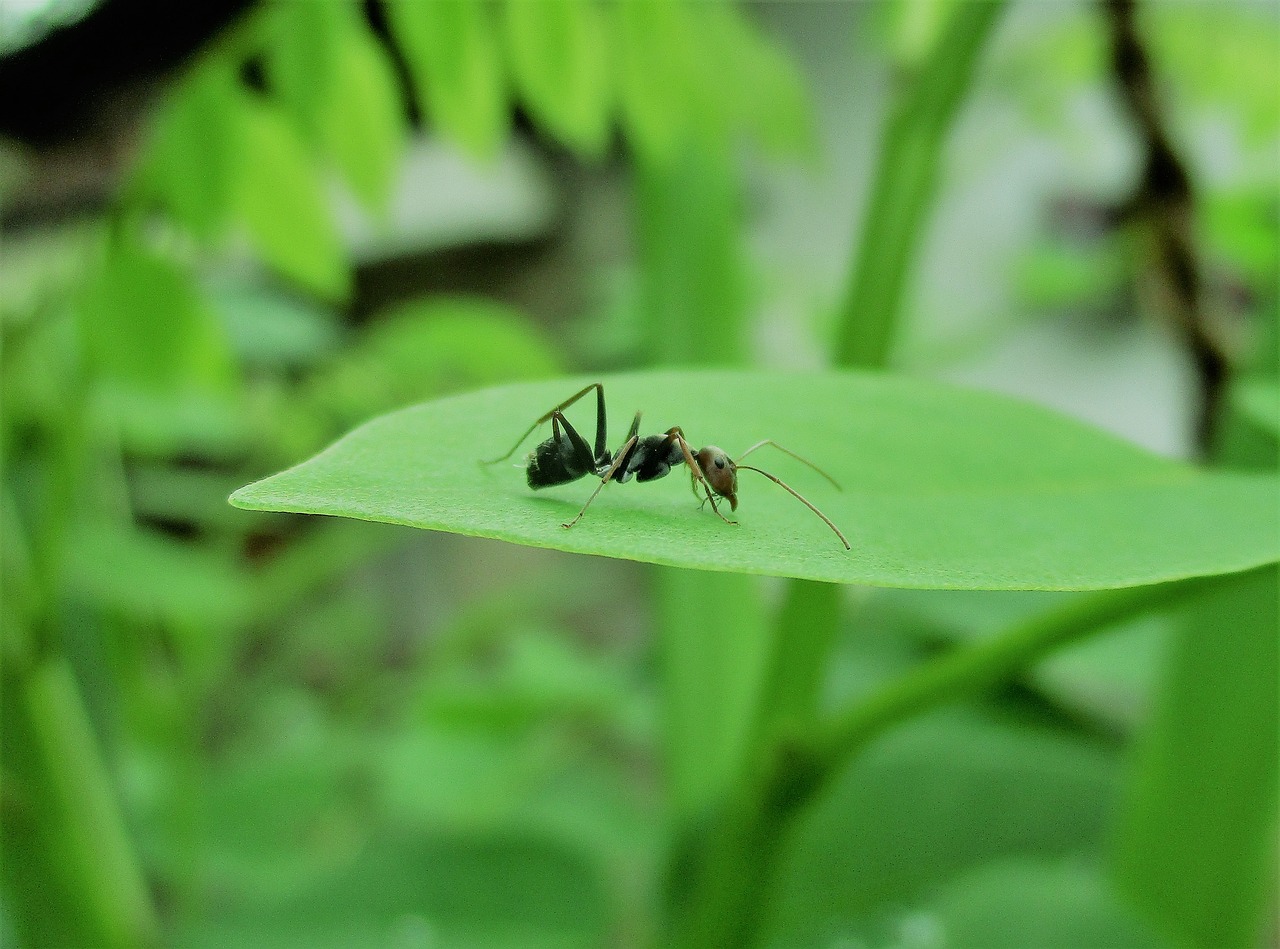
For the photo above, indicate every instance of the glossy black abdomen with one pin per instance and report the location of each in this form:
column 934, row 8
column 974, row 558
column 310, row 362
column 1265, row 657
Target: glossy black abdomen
column 549, row 465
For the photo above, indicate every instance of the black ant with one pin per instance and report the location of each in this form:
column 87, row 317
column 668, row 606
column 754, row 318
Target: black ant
column 566, row 456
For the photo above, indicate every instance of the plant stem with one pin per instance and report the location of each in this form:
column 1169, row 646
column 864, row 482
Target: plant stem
column 731, row 861
column 1164, row 202
column 905, row 181
column 77, row 867
column 712, row 636
column 968, row 670
column 794, row 772
column 737, row 856
column 800, row 648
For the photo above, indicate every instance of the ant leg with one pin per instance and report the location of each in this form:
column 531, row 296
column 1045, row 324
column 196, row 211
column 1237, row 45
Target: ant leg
column 600, row 421
column 602, row 425
column 571, row 444
column 693, row 486
column 633, row 436
column 787, row 451
column 675, row 434
column 607, row 477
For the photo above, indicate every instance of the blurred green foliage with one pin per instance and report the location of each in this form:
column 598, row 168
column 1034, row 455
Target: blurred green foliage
column 226, row 727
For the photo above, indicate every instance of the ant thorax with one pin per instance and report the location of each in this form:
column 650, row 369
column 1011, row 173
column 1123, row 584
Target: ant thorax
column 649, row 459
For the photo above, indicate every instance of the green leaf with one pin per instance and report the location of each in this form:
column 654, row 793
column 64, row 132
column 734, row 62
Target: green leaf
column 1249, row 430
column 1017, row 903
column 363, row 120
column 943, row 487
column 153, row 579
column 654, row 46
column 282, row 204
column 70, row 875
column 303, row 61
column 145, row 327
column 558, row 59
column 931, row 802
column 166, row 425
column 1259, row 401
column 429, row 347
column 452, row 53
column 1197, row 844
column 270, row 329
column 191, row 158
column 757, row 87
column 437, row 889
column 272, row 823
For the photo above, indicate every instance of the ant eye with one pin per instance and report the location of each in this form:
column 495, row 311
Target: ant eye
column 719, row 462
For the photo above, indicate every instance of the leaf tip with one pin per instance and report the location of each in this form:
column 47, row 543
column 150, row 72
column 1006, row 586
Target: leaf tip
column 244, row 498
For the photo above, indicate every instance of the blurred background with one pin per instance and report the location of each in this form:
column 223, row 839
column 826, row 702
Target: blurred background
column 229, row 233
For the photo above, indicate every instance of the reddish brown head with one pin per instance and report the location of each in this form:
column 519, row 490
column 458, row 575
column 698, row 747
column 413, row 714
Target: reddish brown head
column 720, row 472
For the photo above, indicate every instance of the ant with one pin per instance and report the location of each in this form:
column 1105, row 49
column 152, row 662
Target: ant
column 566, row 456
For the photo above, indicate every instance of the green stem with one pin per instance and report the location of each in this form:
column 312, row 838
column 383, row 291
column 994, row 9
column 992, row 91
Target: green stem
column 731, row 860
column 968, row 670
column 712, row 639
column 737, row 856
column 63, row 824
column 800, row 648
column 905, row 182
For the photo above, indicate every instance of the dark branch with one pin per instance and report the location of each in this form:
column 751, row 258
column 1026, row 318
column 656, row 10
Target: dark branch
column 1164, row 203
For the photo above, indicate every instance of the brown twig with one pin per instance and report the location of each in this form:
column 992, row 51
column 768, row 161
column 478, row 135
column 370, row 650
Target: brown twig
column 1164, row 202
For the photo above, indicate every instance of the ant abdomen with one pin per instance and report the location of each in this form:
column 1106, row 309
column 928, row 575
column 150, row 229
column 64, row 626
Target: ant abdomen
column 550, row 465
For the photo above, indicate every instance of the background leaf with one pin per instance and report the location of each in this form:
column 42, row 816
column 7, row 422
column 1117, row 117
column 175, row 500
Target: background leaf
column 452, row 52
column 146, row 327
column 930, row 803
column 943, row 487
column 558, row 59
column 1048, row 905
column 191, row 159
column 283, row 206
column 303, row 62
column 362, row 124
column 430, row 346
column 657, row 97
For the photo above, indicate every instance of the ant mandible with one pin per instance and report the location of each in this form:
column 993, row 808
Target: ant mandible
column 566, row 456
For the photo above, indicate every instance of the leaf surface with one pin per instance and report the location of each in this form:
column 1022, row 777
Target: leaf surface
column 943, row 487
column 363, row 125
column 283, row 206
column 559, row 62
column 451, row 49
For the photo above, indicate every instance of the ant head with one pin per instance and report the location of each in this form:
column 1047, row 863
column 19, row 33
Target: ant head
column 720, row 472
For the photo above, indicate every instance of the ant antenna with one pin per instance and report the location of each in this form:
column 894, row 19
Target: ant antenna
column 788, row 451
column 796, row 494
